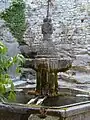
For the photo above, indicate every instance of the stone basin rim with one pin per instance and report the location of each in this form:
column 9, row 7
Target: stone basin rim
column 63, row 111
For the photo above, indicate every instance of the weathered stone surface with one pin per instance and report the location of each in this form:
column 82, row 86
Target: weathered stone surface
column 36, row 117
column 68, row 27
column 78, row 111
column 54, row 63
column 71, row 25
column 4, row 4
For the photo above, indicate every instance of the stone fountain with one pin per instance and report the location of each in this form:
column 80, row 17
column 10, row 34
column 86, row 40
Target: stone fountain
column 47, row 63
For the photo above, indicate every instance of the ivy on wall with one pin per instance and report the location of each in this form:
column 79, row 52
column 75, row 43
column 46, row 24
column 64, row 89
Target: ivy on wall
column 15, row 19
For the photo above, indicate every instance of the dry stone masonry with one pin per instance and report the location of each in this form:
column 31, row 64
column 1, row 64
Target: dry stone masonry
column 70, row 24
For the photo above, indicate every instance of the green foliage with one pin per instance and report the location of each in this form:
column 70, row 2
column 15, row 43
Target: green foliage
column 5, row 63
column 15, row 19
column 12, row 96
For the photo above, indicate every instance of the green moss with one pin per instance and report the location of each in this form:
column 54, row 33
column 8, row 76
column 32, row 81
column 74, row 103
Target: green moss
column 46, row 80
column 15, row 19
column 65, row 69
column 80, row 68
column 38, row 82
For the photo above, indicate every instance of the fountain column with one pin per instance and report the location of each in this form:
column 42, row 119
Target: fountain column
column 48, row 63
column 47, row 82
column 46, row 72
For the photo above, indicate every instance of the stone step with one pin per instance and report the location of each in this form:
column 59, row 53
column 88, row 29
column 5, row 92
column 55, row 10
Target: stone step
column 20, row 82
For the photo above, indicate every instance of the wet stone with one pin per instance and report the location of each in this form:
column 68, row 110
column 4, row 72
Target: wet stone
column 37, row 117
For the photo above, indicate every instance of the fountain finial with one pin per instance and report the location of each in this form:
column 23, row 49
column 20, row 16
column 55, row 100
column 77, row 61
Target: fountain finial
column 48, row 7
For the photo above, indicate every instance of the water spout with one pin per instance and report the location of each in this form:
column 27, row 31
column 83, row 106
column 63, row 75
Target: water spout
column 41, row 100
column 32, row 100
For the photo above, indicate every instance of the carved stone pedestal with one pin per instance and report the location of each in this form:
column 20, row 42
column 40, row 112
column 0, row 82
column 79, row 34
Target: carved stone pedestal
column 47, row 69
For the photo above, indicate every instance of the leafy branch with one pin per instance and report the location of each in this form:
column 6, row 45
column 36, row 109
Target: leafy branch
column 5, row 63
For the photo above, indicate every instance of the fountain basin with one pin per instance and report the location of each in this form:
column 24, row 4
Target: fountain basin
column 67, row 106
column 79, row 111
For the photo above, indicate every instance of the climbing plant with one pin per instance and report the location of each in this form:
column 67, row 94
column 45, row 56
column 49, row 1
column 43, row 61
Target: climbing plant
column 15, row 19
column 5, row 63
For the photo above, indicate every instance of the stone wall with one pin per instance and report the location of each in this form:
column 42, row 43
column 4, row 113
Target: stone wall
column 70, row 23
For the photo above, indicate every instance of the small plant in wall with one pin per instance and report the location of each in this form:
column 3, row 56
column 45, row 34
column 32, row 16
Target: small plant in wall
column 5, row 63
